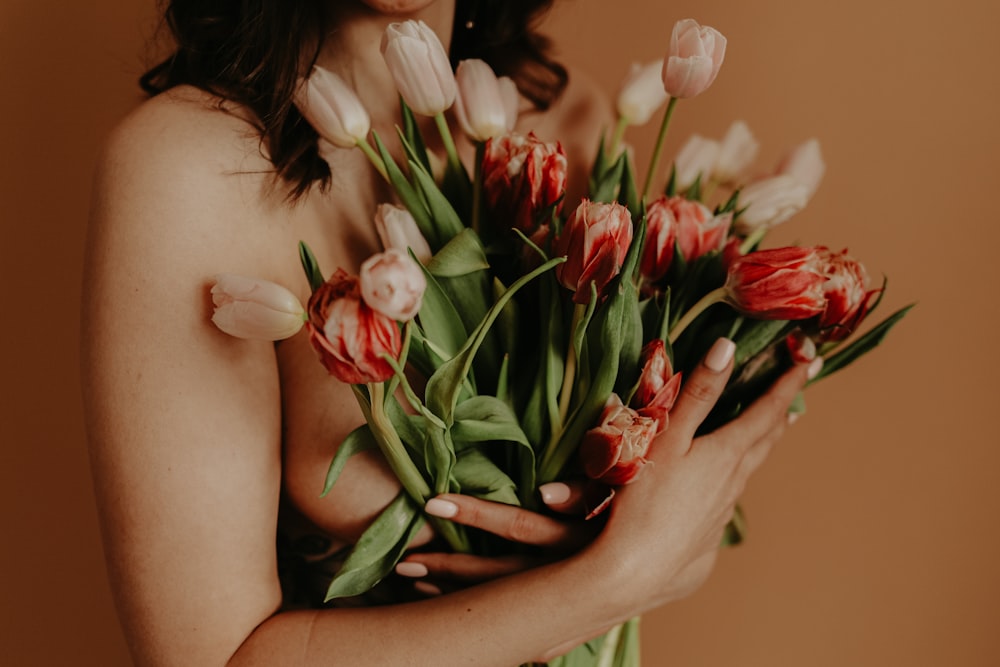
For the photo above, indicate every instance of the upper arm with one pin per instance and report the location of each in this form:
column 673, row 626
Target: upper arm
column 184, row 422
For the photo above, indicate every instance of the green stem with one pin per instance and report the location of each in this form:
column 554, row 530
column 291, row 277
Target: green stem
column 374, row 158
column 755, row 237
column 616, row 138
column 449, row 143
column 569, row 371
column 713, row 297
column 477, row 185
column 654, row 163
column 609, row 648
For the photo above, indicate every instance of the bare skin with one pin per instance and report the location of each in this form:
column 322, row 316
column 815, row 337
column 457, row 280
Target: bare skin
column 196, row 436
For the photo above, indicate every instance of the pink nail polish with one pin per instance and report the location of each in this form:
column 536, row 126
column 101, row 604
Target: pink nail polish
column 414, row 570
column 554, row 493
column 426, row 588
column 441, row 508
column 815, row 367
column 720, row 355
column 793, row 417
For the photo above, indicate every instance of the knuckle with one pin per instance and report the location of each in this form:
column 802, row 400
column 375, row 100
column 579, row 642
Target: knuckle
column 701, row 391
column 522, row 528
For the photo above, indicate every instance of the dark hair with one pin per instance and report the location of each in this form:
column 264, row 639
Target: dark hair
column 252, row 52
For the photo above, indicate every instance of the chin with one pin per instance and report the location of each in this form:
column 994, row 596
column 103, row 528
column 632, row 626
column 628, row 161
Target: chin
column 398, row 6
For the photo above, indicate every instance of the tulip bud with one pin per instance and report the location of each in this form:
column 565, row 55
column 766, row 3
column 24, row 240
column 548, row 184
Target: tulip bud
column 615, row 451
column 397, row 229
column 332, row 108
column 676, row 223
column 479, row 105
column 693, row 60
column 658, row 384
column 801, row 348
column 777, row 284
column 848, row 298
column 393, row 284
column 697, row 157
column 737, row 151
column 769, row 202
column 805, row 165
column 349, row 336
column 255, row 309
column 511, row 100
column 594, row 240
column 419, row 66
column 522, row 177
column 642, row 93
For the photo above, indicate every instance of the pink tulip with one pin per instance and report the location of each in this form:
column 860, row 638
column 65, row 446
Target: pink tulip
column 419, row 66
column 642, row 93
column 676, row 223
column 848, row 298
column 594, row 240
column 769, row 202
column 254, row 308
column 693, row 60
column 615, row 451
column 397, row 229
column 522, row 177
column 479, row 105
column 697, row 157
column 349, row 336
column 737, row 151
column 658, row 384
column 511, row 101
column 801, row 347
column 393, row 284
column 777, row 284
column 805, row 165
column 332, row 108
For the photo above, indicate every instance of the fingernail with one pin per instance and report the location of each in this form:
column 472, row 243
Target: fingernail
column 415, row 570
column 720, row 355
column 793, row 417
column 815, row 367
column 426, row 588
column 554, row 493
column 440, row 507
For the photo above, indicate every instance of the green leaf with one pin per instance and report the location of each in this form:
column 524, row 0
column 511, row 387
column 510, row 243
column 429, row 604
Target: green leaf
column 447, row 223
column 413, row 140
column 439, row 321
column 485, row 418
column 756, row 335
column 358, row 440
column 736, row 529
column 861, row 346
column 410, row 198
column 606, row 188
column 310, row 266
column 599, row 168
column 477, row 475
column 462, row 255
column 439, row 457
column 628, row 195
column 379, row 549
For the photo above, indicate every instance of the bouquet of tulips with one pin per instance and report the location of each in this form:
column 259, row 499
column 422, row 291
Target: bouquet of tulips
column 551, row 336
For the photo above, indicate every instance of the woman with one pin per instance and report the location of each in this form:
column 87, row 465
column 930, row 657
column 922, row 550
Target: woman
column 204, row 446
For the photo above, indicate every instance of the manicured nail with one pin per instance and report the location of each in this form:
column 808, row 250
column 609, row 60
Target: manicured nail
column 720, row 355
column 554, row 493
column 815, row 367
column 426, row 588
column 407, row 569
column 440, row 507
column 793, row 417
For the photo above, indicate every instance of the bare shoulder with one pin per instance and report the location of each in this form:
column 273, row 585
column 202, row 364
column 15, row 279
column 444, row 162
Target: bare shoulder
column 576, row 118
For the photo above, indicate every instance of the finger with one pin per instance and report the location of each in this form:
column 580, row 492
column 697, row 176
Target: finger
column 509, row 522
column 760, row 450
column 577, row 497
column 701, row 390
column 771, row 409
column 465, row 568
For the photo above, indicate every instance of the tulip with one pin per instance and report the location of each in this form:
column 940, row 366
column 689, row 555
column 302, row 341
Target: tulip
column 697, row 157
column 393, row 284
column 736, row 152
column 332, row 108
column 805, row 164
column 801, row 347
column 254, row 308
column 480, row 105
column 769, row 202
column 522, row 177
column 615, row 451
column 594, row 240
column 511, row 100
column 681, row 225
column 658, row 385
column 777, row 284
column 848, row 298
column 349, row 336
column 693, row 60
column 397, row 229
column 641, row 93
column 419, row 66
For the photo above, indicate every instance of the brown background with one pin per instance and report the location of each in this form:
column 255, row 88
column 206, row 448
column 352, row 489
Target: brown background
column 874, row 535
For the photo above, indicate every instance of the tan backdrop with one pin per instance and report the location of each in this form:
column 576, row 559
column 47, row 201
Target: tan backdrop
column 873, row 528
